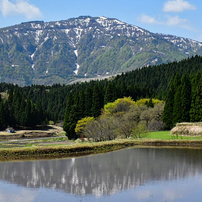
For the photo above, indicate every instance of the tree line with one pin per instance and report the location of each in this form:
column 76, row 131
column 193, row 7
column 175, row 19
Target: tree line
column 73, row 102
column 184, row 100
column 18, row 110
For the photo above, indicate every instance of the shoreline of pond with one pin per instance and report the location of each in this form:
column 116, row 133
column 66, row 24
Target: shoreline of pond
column 82, row 149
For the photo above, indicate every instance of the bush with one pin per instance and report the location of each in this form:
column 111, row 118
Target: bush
column 78, row 140
column 51, row 122
column 140, row 131
column 156, row 125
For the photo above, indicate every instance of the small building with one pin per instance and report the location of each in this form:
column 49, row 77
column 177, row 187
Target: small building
column 10, row 130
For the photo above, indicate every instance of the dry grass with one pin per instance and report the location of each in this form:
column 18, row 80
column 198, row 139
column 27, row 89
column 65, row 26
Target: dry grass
column 51, row 130
column 187, row 129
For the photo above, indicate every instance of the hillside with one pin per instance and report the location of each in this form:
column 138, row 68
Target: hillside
column 84, row 47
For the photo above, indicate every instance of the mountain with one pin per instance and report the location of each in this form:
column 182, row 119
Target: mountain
column 59, row 52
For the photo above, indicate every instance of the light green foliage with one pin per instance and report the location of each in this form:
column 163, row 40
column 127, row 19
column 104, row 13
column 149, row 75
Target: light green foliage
column 51, row 122
column 82, row 123
column 124, row 118
column 119, row 105
column 140, row 131
column 143, row 101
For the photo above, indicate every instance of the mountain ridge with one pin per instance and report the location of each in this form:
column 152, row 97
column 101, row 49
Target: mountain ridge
column 40, row 52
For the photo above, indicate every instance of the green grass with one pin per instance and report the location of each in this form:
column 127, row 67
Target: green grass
column 161, row 135
column 165, row 135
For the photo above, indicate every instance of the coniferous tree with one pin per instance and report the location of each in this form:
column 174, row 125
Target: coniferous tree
column 17, row 99
column 72, row 123
column 150, row 103
column 196, row 104
column 122, row 90
column 22, row 119
column 177, row 111
column 3, row 123
column 185, row 98
column 177, row 81
column 96, row 109
column 168, row 109
column 40, row 113
column 195, row 81
column 88, row 101
column 10, row 97
column 66, row 125
column 27, row 113
column 110, row 93
column 81, row 107
column 10, row 109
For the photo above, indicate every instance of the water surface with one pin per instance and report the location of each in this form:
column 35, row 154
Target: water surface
column 135, row 174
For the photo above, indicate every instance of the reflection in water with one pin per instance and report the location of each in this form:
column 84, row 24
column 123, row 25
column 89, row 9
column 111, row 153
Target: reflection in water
column 105, row 174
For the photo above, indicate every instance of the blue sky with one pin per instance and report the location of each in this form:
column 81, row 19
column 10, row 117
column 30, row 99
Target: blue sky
column 175, row 17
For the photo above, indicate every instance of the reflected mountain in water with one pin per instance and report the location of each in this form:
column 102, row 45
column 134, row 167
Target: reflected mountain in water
column 105, row 174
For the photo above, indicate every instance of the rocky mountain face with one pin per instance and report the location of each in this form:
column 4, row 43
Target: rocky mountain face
column 83, row 47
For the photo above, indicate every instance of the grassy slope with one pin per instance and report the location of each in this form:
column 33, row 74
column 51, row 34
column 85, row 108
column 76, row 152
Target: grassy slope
column 165, row 135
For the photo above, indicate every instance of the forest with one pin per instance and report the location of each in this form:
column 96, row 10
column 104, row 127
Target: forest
column 177, row 83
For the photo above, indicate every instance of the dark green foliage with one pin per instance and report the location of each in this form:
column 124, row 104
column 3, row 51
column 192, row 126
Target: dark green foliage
column 72, row 115
column 73, row 118
column 142, row 83
column 3, row 123
column 176, row 82
column 196, row 104
column 185, row 98
column 96, row 106
column 150, row 103
column 177, row 111
column 81, row 105
column 122, row 90
column 66, row 125
column 88, row 101
column 17, row 111
column 168, row 109
column 110, row 95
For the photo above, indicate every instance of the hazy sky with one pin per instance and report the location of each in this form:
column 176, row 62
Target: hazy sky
column 175, row 17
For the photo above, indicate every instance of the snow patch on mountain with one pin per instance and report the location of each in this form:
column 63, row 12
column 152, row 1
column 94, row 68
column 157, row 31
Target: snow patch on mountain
column 58, row 23
column 155, row 60
column 36, row 26
column 76, row 53
column 77, row 69
column 38, row 33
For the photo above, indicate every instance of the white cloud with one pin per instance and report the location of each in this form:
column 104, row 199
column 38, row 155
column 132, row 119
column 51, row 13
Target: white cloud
column 177, row 6
column 20, row 7
column 176, row 21
column 179, row 22
column 168, row 21
column 148, row 19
